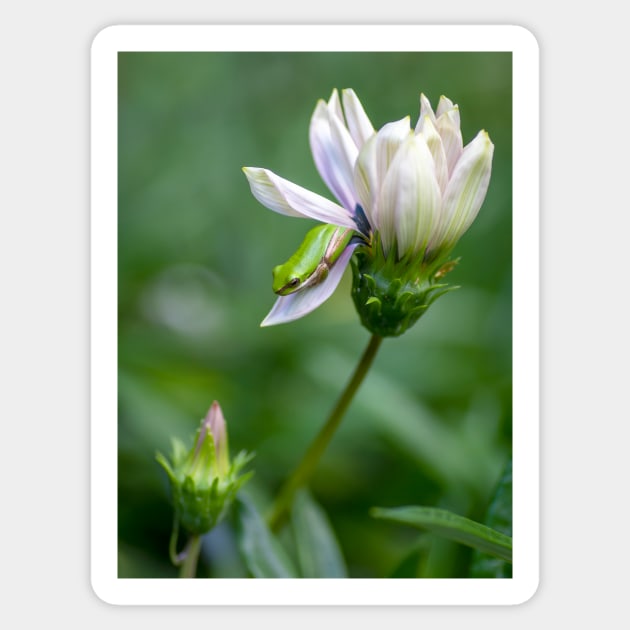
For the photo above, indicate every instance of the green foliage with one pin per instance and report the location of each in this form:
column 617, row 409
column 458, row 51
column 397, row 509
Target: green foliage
column 317, row 548
column 409, row 567
column 315, row 553
column 262, row 552
column 451, row 526
column 431, row 425
column 499, row 517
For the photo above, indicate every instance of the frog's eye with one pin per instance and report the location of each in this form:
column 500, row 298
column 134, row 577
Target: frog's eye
column 294, row 282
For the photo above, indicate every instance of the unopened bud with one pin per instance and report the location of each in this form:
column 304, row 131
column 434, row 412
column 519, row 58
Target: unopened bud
column 203, row 481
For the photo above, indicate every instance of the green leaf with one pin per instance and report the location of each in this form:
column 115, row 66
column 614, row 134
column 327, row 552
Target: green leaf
column 451, row 526
column 261, row 551
column 499, row 517
column 409, row 567
column 318, row 551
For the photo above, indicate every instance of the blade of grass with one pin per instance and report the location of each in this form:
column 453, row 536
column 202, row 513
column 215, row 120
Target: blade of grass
column 263, row 554
column 318, row 551
column 451, row 526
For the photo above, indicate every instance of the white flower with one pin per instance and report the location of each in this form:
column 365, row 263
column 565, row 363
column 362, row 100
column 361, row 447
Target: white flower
column 419, row 189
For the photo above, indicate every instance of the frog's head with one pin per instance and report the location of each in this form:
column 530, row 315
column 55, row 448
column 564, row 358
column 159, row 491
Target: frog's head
column 285, row 280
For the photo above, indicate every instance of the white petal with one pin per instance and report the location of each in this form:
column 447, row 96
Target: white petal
column 373, row 162
column 448, row 127
column 359, row 124
column 296, row 305
column 281, row 195
column 425, row 110
column 410, row 198
column 388, row 141
column 446, row 105
column 366, row 179
column 334, row 153
column 467, row 188
column 434, row 142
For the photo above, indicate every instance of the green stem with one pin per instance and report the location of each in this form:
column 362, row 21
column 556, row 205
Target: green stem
column 189, row 565
column 305, row 469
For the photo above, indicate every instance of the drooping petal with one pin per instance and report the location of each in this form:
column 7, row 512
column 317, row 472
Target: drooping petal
column 466, row 189
column 296, row 305
column 334, row 152
column 285, row 197
column 410, row 198
column 359, row 124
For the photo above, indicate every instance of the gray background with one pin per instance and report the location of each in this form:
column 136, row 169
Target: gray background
column 45, row 315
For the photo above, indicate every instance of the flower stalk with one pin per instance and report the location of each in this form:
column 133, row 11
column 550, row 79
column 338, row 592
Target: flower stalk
column 307, row 465
column 188, row 568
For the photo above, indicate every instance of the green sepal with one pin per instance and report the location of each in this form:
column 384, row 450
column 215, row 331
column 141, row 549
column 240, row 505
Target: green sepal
column 201, row 496
column 391, row 295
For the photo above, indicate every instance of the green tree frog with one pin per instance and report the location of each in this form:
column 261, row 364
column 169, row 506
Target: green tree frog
column 313, row 259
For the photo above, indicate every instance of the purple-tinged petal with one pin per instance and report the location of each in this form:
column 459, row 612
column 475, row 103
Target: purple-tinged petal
column 334, row 105
column 215, row 424
column 285, row 197
column 358, row 122
column 334, row 153
column 290, row 307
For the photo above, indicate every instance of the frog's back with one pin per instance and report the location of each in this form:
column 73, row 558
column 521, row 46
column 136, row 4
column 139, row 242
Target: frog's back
column 306, row 259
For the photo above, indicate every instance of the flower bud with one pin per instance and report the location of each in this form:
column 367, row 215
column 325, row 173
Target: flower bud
column 203, row 481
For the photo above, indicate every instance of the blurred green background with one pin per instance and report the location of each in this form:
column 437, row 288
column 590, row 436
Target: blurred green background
column 431, row 424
